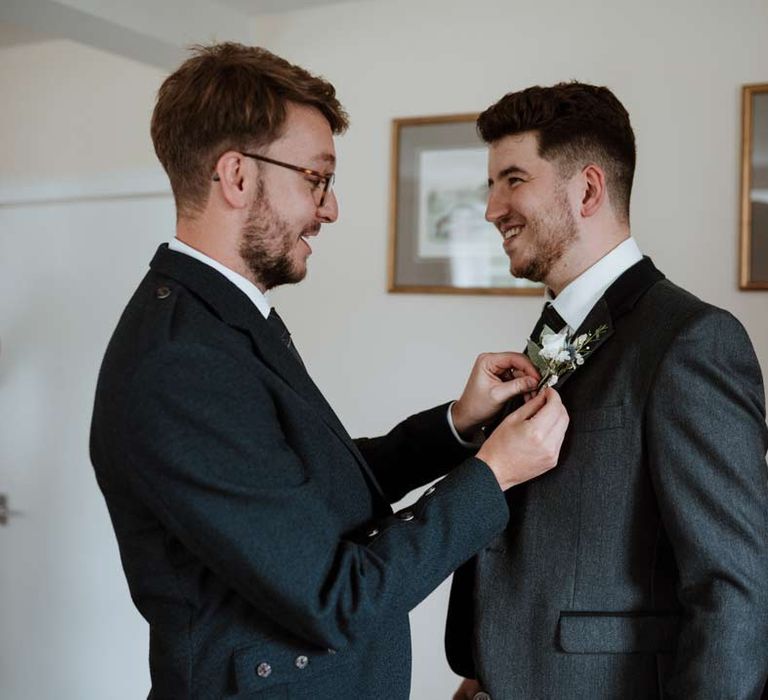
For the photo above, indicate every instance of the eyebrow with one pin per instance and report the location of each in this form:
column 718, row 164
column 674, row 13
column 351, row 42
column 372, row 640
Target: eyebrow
column 509, row 170
column 325, row 158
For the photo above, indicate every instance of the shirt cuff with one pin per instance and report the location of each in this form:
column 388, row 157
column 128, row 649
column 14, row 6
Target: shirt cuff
column 479, row 439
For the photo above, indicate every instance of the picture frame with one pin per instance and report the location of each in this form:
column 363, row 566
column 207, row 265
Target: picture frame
column 753, row 273
column 439, row 241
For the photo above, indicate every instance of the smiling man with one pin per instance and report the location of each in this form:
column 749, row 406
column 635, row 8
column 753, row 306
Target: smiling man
column 257, row 538
column 636, row 569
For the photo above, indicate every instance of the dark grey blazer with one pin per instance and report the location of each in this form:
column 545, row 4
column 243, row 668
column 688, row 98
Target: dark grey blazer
column 638, row 568
column 256, row 536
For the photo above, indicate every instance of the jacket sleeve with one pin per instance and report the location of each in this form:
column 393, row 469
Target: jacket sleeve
column 707, row 440
column 416, row 451
column 208, row 456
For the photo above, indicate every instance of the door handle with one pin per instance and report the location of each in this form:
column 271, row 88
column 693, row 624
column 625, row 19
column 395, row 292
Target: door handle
column 5, row 512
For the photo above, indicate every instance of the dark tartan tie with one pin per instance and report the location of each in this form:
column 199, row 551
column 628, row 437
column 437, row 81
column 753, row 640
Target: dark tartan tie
column 550, row 318
column 277, row 325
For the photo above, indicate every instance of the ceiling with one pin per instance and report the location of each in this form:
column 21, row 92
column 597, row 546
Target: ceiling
column 261, row 7
column 139, row 30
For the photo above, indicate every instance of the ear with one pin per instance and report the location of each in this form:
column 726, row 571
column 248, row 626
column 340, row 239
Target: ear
column 594, row 193
column 234, row 177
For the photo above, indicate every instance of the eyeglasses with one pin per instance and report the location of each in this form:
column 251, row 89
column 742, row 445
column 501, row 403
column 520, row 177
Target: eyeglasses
column 316, row 178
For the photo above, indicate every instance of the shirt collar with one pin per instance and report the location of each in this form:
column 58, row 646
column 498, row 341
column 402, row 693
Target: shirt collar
column 577, row 299
column 247, row 287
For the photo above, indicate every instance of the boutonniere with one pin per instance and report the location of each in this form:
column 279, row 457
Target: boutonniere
column 559, row 353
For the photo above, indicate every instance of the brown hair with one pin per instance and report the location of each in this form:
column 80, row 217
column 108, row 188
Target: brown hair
column 576, row 124
column 228, row 96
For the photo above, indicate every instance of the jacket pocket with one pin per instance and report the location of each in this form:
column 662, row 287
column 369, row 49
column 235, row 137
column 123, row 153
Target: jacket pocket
column 617, row 632
column 273, row 665
column 589, row 420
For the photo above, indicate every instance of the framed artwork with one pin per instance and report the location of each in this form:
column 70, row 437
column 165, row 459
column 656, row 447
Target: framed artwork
column 440, row 241
column 754, row 188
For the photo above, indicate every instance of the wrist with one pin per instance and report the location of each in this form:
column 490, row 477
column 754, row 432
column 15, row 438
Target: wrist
column 461, row 422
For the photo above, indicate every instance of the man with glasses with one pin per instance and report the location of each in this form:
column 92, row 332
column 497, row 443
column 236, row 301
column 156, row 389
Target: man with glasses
column 257, row 538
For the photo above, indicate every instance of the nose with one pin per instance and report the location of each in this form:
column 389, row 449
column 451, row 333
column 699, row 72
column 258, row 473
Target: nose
column 494, row 208
column 329, row 211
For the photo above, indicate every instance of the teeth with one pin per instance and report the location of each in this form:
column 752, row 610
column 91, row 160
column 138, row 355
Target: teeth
column 512, row 232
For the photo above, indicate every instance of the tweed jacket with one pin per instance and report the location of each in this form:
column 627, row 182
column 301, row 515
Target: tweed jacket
column 638, row 568
column 257, row 538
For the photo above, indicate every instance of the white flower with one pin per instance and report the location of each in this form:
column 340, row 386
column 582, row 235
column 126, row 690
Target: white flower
column 552, row 344
column 559, row 354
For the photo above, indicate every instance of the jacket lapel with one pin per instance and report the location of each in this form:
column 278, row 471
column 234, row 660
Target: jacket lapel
column 235, row 309
column 620, row 298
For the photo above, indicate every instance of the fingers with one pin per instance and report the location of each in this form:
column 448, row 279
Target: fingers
column 528, row 409
column 511, row 362
column 547, row 408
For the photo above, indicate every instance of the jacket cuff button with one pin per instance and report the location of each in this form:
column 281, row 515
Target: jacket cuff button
column 263, row 670
column 301, row 662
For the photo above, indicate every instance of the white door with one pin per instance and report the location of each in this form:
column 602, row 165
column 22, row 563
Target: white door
column 68, row 629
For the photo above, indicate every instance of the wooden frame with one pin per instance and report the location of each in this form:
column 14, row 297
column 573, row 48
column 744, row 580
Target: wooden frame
column 753, row 273
column 439, row 241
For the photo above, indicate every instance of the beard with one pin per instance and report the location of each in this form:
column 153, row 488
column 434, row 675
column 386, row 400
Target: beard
column 267, row 243
column 552, row 234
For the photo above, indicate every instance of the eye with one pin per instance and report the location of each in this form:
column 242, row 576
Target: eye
column 512, row 180
column 315, row 182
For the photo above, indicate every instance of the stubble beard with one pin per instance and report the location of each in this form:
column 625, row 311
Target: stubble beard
column 266, row 244
column 552, row 234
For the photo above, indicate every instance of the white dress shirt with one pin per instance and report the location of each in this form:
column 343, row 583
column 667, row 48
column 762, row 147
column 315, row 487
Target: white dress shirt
column 247, row 287
column 577, row 299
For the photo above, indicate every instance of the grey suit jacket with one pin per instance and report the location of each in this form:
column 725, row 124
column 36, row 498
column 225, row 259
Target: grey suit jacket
column 639, row 567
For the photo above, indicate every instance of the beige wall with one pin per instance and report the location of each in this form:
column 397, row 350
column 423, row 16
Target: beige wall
column 73, row 112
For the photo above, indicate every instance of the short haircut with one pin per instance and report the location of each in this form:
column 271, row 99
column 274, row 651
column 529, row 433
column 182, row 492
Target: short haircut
column 228, row 96
column 576, row 124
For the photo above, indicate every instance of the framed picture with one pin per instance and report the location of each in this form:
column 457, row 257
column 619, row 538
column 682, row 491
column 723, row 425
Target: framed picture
column 754, row 188
column 440, row 241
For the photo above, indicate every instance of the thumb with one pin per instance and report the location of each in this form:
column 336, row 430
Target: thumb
column 529, row 409
column 501, row 393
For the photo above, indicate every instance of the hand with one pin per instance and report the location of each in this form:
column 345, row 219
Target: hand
column 527, row 442
column 467, row 690
column 495, row 378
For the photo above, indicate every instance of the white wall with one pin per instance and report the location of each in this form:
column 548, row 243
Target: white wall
column 70, row 112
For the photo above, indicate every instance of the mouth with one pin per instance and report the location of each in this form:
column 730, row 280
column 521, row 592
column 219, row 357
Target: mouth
column 308, row 234
column 509, row 232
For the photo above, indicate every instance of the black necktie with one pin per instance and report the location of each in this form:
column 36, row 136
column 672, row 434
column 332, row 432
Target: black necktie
column 283, row 333
column 550, row 318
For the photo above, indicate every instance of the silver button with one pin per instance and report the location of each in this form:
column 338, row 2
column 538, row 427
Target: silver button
column 481, row 696
column 301, row 661
column 405, row 515
column 331, row 651
column 373, row 532
column 263, row 670
column 163, row 293
column 430, row 491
